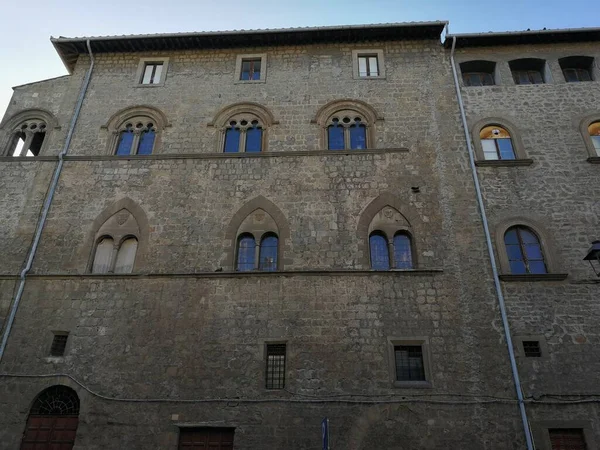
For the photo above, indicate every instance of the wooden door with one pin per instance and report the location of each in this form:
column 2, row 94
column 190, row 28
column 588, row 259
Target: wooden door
column 206, row 438
column 50, row 433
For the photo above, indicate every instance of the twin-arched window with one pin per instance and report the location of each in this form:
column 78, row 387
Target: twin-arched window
column 136, row 137
column 390, row 254
column 243, row 134
column 524, row 251
column 263, row 256
column 346, row 131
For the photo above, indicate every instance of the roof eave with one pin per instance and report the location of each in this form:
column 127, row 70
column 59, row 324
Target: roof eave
column 523, row 37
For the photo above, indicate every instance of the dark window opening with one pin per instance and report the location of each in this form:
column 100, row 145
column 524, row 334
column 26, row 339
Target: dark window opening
column 56, row 401
column 527, row 70
column 275, row 374
column 567, row 439
column 59, row 343
column 577, row 68
column 478, row 73
column 532, row 349
column 524, row 251
column 250, row 69
column 368, row 66
column 197, row 438
column 409, row 363
column 152, row 73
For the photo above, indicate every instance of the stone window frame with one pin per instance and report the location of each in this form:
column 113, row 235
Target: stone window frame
column 518, row 345
column 423, row 341
column 141, row 234
column 238, row 110
column 238, row 68
column 370, row 119
column 234, row 229
column 117, row 122
column 12, row 125
column 368, row 52
column 262, row 358
column 593, row 156
column 521, row 158
column 366, row 225
column 142, row 66
column 551, row 258
column 541, row 435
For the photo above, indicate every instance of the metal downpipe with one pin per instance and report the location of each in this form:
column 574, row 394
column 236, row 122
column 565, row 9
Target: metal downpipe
column 497, row 285
column 47, row 204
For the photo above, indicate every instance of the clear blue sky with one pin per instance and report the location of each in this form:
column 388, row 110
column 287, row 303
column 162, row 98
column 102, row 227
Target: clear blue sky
column 25, row 27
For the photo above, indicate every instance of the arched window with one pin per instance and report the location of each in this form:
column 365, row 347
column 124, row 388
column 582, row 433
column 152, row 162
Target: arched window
column 577, row 68
column 380, row 255
column 243, row 134
column 478, row 73
column 246, row 253
column 116, row 244
column 346, row 131
column 268, row 252
column 402, row 251
column 594, row 132
column 496, row 143
column 524, row 251
column 136, row 137
column 52, row 420
column 27, row 138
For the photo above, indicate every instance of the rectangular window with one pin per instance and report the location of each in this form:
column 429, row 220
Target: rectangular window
column 409, row 363
column 152, row 73
column 275, row 366
column 250, row 69
column 59, row 343
column 532, row 349
column 567, row 439
column 368, row 66
column 206, row 438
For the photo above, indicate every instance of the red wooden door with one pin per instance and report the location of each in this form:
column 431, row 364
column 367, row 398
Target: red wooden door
column 50, row 433
column 206, row 438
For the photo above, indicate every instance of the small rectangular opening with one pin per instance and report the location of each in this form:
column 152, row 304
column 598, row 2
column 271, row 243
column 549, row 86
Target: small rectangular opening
column 59, row 343
column 152, row 73
column 214, row 438
column 276, row 354
column 368, row 66
column 250, row 69
column 409, row 363
column 532, row 349
column 567, row 439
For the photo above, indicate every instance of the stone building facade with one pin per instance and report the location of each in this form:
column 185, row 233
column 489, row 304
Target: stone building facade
column 185, row 287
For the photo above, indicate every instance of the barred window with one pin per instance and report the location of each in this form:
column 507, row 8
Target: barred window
column 59, row 343
column 567, row 439
column 56, row 400
column 409, row 363
column 275, row 372
column 532, row 349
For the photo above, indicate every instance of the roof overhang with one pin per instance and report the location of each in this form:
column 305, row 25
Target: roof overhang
column 524, row 37
column 70, row 48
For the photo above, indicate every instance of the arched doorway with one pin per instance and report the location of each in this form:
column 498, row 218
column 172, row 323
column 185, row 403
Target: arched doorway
column 52, row 421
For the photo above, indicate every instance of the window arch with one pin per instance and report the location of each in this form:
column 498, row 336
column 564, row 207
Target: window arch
column 524, row 251
column 53, row 417
column 497, row 139
column 27, row 133
column 119, row 236
column 478, row 73
column 390, row 242
column 577, row 68
column 243, row 128
column 347, row 125
column 258, row 234
column 136, row 131
column 590, row 132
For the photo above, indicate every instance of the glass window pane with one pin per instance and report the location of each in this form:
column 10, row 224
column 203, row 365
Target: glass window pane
column 523, row 77
column 475, row 79
column 514, row 253
column 336, row 137
column 373, row 66
column 125, row 142
column 358, row 137
column 402, row 252
column 362, row 66
column 533, row 252
column 146, row 142
column 596, row 142
column 157, row 74
column 268, row 253
column 488, row 79
column 147, row 78
column 380, row 257
column 536, row 77
column 506, row 148
column 246, row 248
column 126, row 256
column 528, row 237
column 570, row 75
column 489, row 149
column 245, row 75
column 584, row 75
column 256, row 74
column 511, row 238
column 537, row 267
column 232, row 140
column 103, row 256
column 254, row 139
column 517, row 267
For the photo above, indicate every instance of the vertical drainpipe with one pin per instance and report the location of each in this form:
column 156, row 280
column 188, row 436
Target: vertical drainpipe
column 500, row 295
column 47, row 204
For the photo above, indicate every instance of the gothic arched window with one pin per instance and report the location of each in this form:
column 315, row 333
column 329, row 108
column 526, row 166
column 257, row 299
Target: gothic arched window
column 116, row 244
column 244, row 133
column 136, row 137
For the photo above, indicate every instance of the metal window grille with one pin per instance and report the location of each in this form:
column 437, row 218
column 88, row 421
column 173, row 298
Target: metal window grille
column 275, row 366
column 567, row 439
column 409, row 363
column 59, row 344
column 532, row 349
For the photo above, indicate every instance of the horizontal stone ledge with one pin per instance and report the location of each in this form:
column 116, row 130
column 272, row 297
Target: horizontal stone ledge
column 28, row 158
column 535, row 277
column 284, row 273
column 505, row 163
column 594, row 160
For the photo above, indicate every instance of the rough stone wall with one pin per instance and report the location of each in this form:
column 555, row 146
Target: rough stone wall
column 559, row 191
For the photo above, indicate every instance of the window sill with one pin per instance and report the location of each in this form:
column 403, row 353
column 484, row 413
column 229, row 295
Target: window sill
column 369, row 78
column 504, row 163
column 149, row 85
column 250, row 81
column 594, row 160
column 413, row 384
column 535, row 277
